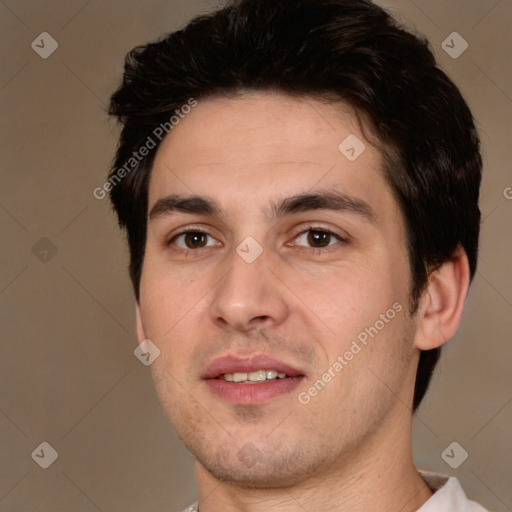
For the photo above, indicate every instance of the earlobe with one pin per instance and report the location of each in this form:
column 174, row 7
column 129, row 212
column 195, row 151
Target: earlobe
column 442, row 302
column 139, row 326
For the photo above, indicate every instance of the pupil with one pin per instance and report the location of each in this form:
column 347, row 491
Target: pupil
column 194, row 240
column 319, row 238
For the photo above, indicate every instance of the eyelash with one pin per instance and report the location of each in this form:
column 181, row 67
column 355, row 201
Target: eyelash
column 310, row 250
column 319, row 250
column 173, row 239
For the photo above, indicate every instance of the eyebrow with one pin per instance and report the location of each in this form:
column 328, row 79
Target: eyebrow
column 179, row 204
column 323, row 200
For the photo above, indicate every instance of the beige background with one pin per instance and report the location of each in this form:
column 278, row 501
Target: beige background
column 67, row 372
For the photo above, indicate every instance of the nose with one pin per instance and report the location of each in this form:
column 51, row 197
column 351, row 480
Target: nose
column 249, row 296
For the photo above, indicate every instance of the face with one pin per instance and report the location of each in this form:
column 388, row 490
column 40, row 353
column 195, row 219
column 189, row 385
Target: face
column 276, row 286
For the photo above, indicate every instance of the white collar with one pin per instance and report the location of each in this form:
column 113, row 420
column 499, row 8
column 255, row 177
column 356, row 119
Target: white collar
column 448, row 495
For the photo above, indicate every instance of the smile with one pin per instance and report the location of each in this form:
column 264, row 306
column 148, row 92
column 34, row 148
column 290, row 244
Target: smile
column 253, row 377
column 251, row 380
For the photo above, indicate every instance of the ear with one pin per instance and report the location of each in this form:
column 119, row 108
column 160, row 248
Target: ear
column 442, row 303
column 141, row 332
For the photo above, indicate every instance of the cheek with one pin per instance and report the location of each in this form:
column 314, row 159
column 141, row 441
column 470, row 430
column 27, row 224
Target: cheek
column 170, row 306
column 169, row 298
column 348, row 298
column 368, row 367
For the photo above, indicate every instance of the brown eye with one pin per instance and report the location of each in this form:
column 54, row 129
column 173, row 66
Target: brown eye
column 194, row 240
column 319, row 238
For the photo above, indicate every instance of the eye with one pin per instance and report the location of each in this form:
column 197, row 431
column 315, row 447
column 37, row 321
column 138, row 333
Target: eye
column 317, row 238
column 193, row 240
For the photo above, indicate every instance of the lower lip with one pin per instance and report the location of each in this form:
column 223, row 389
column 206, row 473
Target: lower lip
column 252, row 394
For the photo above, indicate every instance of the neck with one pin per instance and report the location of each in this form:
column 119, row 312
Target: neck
column 377, row 476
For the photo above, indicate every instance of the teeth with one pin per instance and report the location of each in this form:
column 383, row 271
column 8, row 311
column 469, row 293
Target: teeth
column 256, row 376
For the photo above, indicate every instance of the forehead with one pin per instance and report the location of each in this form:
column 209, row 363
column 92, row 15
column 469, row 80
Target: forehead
column 260, row 145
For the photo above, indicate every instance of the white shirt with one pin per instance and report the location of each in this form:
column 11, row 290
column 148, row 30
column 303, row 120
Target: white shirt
column 448, row 496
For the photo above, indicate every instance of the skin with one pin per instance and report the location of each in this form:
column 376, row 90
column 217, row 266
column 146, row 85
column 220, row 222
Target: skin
column 349, row 448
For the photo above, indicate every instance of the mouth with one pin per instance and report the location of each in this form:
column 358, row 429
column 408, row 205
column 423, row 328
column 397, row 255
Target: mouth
column 251, row 380
column 253, row 377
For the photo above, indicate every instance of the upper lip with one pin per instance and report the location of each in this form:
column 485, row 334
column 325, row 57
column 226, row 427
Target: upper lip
column 247, row 364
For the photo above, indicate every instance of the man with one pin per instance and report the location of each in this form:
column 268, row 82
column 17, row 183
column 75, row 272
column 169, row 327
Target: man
column 299, row 183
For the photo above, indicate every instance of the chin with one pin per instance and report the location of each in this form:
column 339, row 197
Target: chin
column 250, row 468
column 267, row 477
